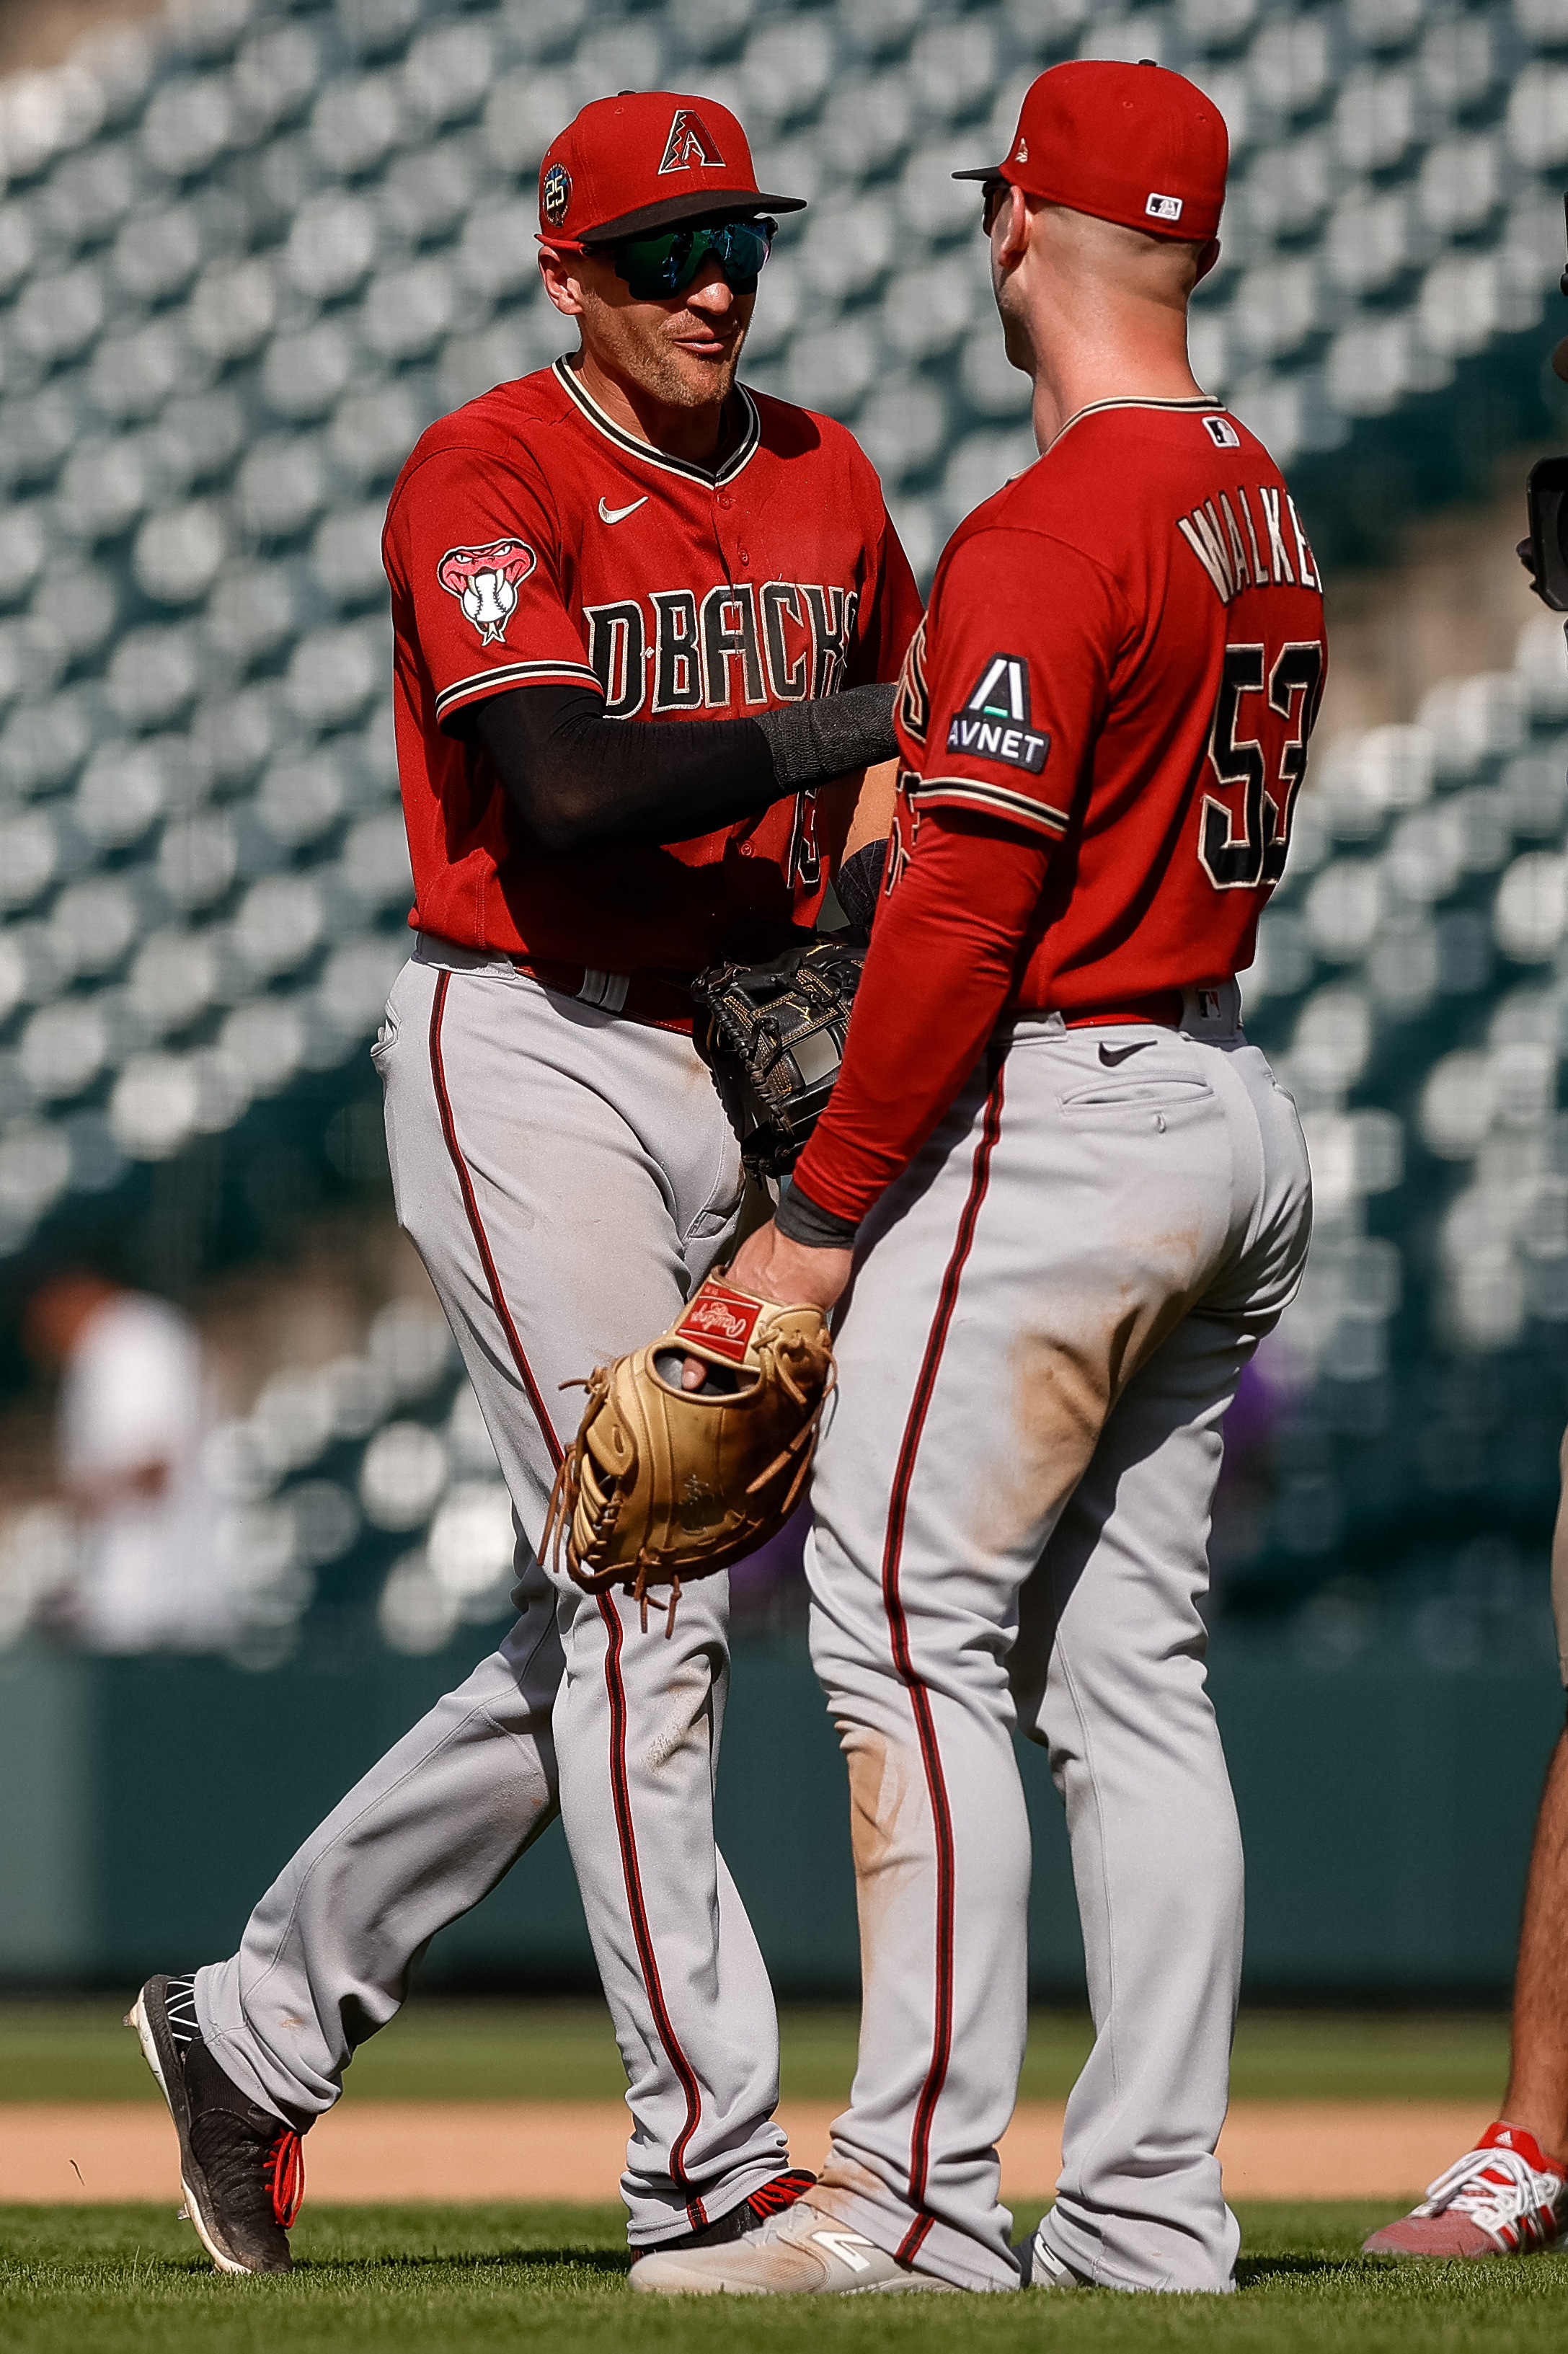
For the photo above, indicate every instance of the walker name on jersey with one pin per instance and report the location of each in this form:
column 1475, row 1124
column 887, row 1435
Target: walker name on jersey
column 685, row 650
column 994, row 724
column 1240, row 551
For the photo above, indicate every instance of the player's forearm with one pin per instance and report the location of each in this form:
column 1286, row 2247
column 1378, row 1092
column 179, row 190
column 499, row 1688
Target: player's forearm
column 581, row 781
column 938, row 978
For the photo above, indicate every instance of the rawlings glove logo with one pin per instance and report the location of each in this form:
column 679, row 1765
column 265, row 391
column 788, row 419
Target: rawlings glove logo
column 484, row 582
column 722, row 1321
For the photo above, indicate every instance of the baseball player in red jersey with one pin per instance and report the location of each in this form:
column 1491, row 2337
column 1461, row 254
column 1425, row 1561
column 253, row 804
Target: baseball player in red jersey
column 640, row 617
column 1073, row 1198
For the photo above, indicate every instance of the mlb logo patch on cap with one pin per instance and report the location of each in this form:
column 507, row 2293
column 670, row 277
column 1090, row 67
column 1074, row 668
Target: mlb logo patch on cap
column 1164, row 208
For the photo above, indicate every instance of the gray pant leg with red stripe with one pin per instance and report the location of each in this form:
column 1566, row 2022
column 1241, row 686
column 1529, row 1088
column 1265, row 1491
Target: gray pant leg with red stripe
column 567, row 1178
column 1050, row 1315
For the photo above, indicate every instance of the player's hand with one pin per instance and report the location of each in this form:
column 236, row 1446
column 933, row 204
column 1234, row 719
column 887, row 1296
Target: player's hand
column 794, row 1274
column 768, row 1264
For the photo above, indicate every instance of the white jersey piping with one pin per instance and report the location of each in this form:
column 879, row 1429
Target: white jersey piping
column 630, row 447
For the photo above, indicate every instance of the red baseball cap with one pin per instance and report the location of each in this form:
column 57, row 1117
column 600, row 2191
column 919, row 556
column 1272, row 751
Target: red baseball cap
column 643, row 161
column 1128, row 144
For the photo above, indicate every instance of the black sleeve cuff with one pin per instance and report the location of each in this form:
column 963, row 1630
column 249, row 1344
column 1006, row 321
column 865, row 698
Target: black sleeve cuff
column 806, row 1222
column 858, row 883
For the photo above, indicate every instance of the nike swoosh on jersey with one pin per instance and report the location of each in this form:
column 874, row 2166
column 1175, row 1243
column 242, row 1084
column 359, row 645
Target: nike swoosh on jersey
column 1111, row 1055
column 619, row 514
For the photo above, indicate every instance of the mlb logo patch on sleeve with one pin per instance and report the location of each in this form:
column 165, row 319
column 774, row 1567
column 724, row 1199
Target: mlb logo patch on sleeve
column 995, row 724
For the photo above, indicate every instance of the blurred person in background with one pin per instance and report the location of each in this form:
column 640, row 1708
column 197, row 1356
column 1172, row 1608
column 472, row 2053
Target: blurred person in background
column 134, row 1412
column 1508, row 2196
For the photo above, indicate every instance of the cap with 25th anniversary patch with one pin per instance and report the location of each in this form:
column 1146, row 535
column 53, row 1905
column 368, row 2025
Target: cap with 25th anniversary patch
column 644, row 160
column 1133, row 143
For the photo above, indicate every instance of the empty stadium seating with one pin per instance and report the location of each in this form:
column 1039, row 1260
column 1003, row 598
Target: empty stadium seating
column 247, row 253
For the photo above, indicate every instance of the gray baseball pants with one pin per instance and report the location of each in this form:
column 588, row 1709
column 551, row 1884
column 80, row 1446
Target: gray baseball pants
column 1050, row 1313
column 567, row 1178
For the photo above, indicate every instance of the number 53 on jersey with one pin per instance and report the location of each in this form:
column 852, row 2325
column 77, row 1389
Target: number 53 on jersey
column 1257, row 757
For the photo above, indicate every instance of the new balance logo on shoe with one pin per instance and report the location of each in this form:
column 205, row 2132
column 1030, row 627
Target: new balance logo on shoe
column 844, row 2244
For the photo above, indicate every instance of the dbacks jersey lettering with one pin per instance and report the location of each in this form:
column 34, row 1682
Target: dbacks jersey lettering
column 531, row 541
column 661, row 653
column 1123, row 655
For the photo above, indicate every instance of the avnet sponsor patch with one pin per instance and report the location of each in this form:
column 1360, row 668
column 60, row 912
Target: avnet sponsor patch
column 994, row 723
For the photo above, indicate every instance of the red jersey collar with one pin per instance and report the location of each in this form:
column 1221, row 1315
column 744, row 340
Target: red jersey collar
column 1135, row 400
column 630, row 447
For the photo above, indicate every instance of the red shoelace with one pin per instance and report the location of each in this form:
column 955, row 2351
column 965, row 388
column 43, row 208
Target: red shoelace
column 283, row 2171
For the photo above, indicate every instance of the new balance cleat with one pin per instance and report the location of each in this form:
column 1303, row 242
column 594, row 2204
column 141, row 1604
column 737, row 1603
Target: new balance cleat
column 802, row 2250
column 771, row 2198
column 243, row 2170
column 1504, row 2198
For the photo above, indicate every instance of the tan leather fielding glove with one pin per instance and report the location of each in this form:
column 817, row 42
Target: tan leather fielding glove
column 662, row 1483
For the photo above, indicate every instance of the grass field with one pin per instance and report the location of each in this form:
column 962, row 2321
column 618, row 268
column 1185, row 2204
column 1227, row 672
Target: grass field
column 565, row 2051
column 422, row 2280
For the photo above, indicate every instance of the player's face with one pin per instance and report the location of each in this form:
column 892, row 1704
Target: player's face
column 682, row 350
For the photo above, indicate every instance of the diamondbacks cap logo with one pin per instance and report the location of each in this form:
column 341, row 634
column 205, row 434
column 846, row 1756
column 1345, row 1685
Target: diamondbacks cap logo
column 1021, row 153
column 1163, row 207
column 484, row 582
column 995, row 722
column 690, row 143
column 1222, row 432
column 556, row 194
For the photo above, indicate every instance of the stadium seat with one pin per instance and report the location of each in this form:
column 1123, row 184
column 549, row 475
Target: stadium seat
column 248, row 253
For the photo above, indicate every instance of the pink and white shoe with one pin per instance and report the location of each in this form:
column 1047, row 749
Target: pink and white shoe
column 1504, row 2198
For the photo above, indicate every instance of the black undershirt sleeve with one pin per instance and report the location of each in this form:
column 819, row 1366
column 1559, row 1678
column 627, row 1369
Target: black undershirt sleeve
column 580, row 780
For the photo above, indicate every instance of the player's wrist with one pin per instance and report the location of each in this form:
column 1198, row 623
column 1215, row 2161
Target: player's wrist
column 813, row 741
column 803, row 1221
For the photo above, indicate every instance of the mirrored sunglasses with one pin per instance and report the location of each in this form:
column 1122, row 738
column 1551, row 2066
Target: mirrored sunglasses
column 665, row 263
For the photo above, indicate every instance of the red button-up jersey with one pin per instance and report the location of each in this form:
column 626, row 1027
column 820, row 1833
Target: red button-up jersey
column 1124, row 654
column 530, row 540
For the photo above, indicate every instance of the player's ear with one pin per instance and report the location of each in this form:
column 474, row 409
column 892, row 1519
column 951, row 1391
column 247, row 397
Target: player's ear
column 1013, row 220
column 563, row 287
column 1207, row 257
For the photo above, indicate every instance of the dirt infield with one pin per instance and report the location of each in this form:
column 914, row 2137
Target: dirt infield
column 371, row 2151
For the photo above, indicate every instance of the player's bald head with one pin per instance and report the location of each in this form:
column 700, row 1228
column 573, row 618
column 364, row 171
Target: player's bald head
column 1082, row 248
column 1158, row 268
